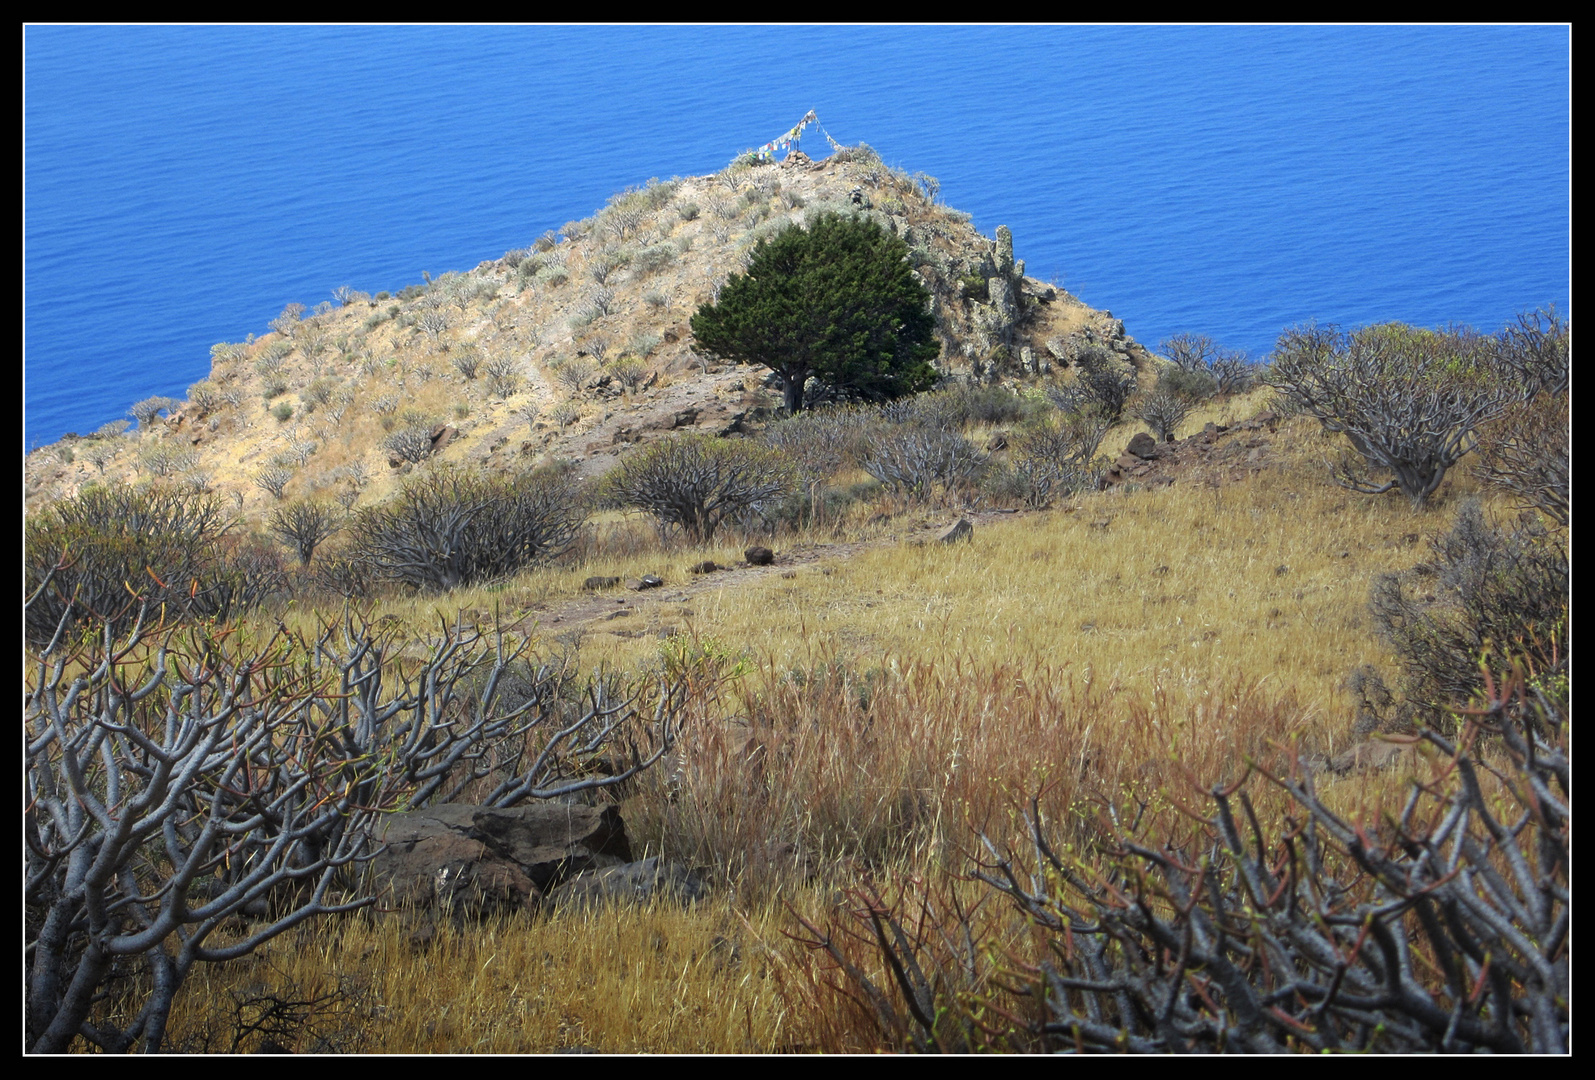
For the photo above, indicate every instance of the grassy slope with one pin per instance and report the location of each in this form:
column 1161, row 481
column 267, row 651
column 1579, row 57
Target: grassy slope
column 992, row 689
column 1126, row 643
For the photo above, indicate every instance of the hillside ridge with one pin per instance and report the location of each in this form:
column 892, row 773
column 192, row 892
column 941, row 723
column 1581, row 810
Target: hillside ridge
column 574, row 349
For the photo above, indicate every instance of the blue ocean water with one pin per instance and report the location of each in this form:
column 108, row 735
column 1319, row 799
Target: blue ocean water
column 183, row 183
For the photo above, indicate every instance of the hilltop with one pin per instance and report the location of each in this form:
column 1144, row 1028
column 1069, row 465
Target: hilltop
column 575, row 348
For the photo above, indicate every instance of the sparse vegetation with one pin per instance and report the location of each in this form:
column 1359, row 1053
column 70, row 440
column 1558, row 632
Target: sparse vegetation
column 1112, row 645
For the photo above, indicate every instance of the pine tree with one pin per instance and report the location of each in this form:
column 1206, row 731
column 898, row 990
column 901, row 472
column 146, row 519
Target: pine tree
column 837, row 301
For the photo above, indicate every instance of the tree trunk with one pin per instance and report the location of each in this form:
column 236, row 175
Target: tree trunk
column 792, row 390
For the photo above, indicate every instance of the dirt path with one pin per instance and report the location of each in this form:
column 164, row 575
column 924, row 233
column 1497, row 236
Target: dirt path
column 582, row 613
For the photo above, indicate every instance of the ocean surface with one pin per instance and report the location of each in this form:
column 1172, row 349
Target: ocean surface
column 182, row 184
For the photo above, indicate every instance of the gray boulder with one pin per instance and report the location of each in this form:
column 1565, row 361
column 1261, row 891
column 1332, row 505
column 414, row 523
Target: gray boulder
column 632, row 883
column 552, row 841
column 1142, row 446
column 432, row 865
column 961, row 530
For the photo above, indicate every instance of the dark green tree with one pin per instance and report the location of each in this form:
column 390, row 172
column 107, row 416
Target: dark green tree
column 837, row 301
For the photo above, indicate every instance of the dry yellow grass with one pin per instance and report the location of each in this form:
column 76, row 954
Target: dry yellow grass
column 879, row 713
column 652, row 979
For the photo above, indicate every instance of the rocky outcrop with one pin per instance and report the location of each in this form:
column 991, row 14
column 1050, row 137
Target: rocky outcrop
column 1214, row 454
column 472, row 862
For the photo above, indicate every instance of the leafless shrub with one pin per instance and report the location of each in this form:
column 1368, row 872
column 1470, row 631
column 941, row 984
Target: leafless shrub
column 433, row 323
column 467, row 359
column 146, row 837
column 820, row 442
column 565, row 413
column 656, row 299
column 621, row 220
column 628, row 371
column 413, row 443
column 1489, row 595
column 386, row 405
column 101, row 453
column 574, row 373
column 600, row 300
column 205, row 396
column 147, row 410
column 1233, row 929
column 100, row 554
column 696, row 483
column 597, row 347
column 303, row 527
column 452, row 528
column 1527, row 452
column 313, row 345
column 1535, row 353
column 226, row 352
column 1103, row 386
column 286, row 323
column 503, row 376
column 163, row 459
column 604, row 264
column 1408, row 400
column 273, row 479
column 1057, row 460
column 912, row 459
column 340, row 405
column 721, row 231
column 1199, row 355
column 301, row 450
column 112, row 429
column 1163, row 411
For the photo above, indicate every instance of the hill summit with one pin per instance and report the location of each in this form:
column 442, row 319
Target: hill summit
column 574, row 348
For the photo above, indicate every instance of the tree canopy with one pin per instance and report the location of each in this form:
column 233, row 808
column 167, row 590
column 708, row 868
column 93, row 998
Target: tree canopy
column 837, row 301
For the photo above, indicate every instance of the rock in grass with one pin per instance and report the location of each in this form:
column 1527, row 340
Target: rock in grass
column 963, row 530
